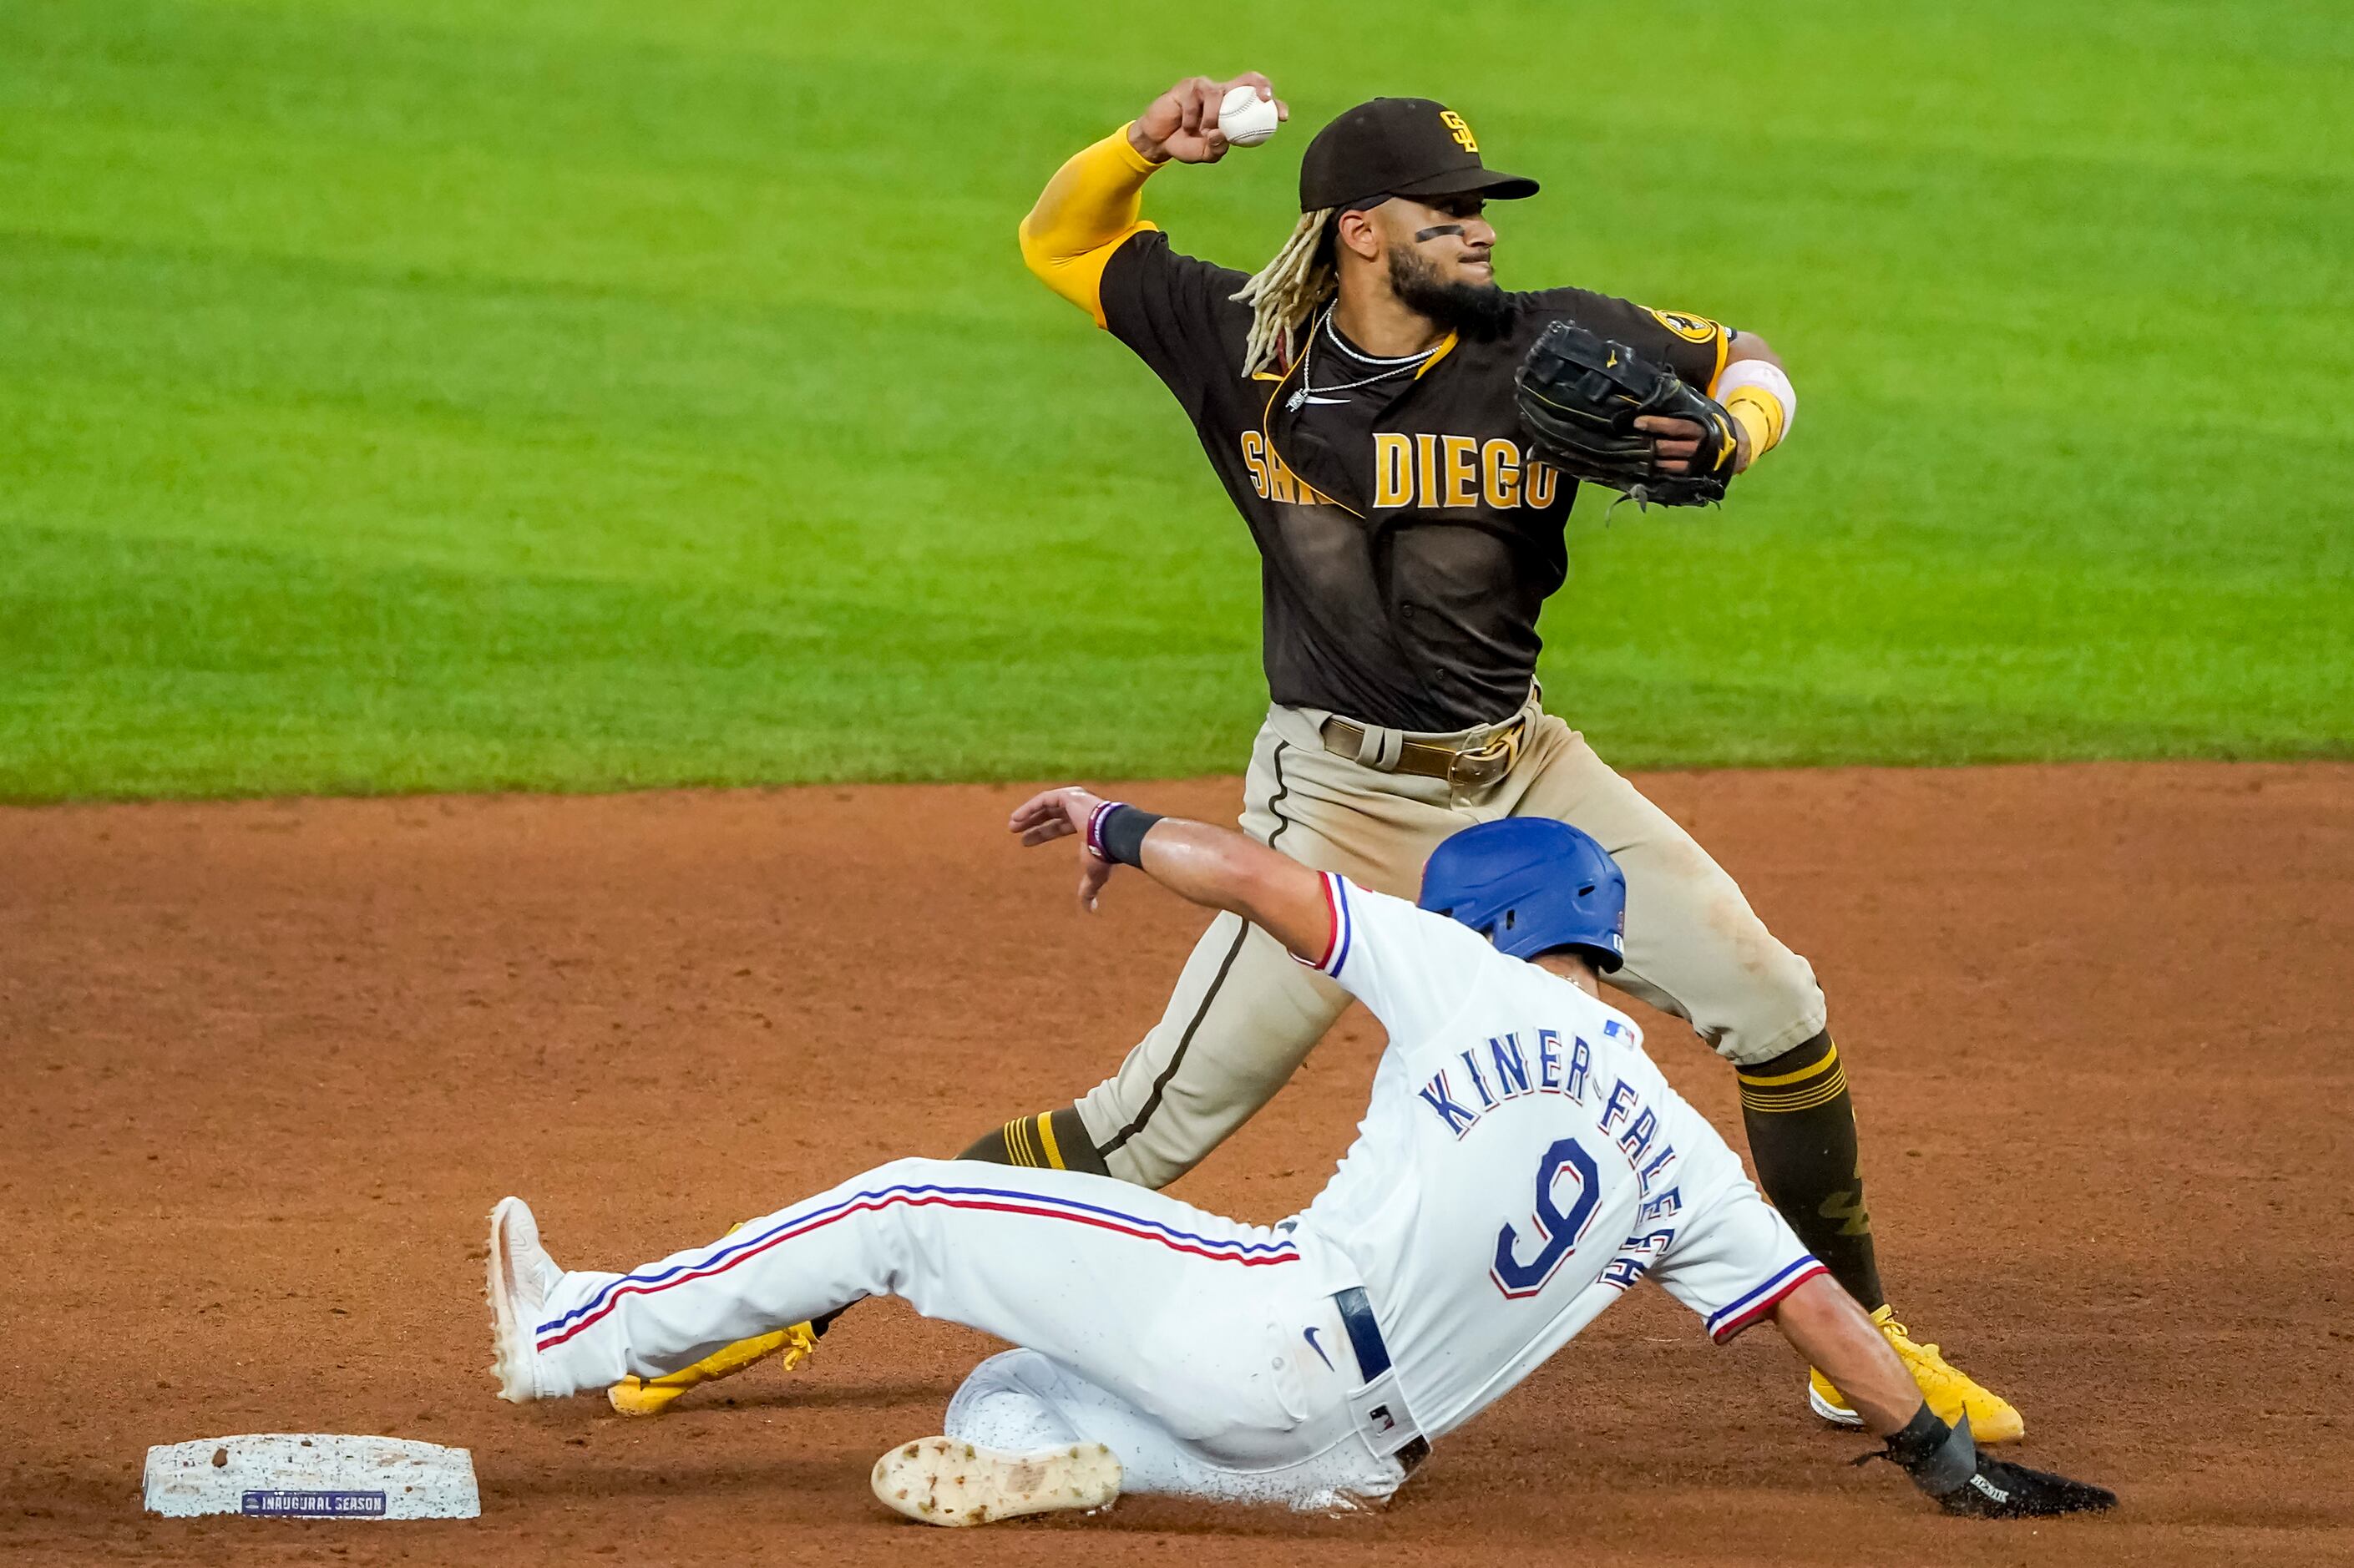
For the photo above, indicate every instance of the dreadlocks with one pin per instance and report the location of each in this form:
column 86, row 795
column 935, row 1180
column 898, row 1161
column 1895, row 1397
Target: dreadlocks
column 1288, row 290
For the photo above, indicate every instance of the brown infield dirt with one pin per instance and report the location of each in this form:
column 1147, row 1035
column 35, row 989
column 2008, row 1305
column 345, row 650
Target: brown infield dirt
column 273, row 1061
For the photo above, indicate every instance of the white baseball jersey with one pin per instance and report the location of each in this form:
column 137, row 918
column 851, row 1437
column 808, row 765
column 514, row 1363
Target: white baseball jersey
column 1520, row 1164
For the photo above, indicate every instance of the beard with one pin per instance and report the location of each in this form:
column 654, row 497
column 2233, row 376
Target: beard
column 1479, row 311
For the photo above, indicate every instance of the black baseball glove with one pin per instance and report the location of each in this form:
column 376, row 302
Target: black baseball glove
column 1944, row 1463
column 1580, row 397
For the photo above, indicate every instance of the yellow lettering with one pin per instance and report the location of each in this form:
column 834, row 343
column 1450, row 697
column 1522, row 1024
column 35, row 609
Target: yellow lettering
column 1252, row 448
column 1273, row 478
column 1390, row 466
column 1503, row 465
column 1541, row 478
column 1425, row 471
column 1462, row 470
column 1459, row 130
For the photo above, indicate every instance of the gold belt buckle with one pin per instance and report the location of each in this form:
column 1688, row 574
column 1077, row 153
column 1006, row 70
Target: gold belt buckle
column 1478, row 769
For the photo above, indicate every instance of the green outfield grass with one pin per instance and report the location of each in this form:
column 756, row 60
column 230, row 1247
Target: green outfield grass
column 580, row 394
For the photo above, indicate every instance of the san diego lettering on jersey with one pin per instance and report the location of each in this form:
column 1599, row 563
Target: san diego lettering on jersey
column 1421, row 469
column 1423, row 618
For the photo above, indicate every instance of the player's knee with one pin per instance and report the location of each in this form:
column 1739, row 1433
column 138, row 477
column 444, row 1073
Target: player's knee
column 1008, row 1401
column 896, row 1218
column 1782, row 1010
column 914, row 1171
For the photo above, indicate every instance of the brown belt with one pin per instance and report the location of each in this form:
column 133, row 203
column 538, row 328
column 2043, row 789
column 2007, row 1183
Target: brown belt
column 1473, row 768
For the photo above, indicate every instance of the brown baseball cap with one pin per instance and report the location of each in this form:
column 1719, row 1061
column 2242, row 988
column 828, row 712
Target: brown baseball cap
column 1398, row 146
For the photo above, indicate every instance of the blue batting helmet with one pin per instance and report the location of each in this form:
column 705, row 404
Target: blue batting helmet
column 1529, row 884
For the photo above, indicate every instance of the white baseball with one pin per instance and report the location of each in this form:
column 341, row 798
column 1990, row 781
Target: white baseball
column 1245, row 118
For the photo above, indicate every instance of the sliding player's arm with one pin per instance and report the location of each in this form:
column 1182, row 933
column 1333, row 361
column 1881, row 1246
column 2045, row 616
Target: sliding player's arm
column 1215, row 867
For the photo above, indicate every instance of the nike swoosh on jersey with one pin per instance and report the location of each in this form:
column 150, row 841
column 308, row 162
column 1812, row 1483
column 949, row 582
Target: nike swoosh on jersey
column 1310, row 1335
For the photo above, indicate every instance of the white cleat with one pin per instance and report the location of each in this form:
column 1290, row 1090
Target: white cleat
column 520, row 1275
column 947, row 1481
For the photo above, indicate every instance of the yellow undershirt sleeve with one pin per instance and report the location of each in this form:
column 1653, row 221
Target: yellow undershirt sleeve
column 1085, row 212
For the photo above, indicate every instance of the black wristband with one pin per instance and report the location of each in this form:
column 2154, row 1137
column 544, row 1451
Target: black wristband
column 1115, row 832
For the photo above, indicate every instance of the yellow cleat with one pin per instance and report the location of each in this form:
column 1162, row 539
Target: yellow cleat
column 1950, row 1391
column 652, row 1397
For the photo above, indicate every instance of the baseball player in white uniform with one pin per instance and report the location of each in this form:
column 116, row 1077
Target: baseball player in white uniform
column 1521, row 1164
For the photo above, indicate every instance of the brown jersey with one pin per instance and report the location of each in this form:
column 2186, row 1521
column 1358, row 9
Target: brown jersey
column 1407, row 538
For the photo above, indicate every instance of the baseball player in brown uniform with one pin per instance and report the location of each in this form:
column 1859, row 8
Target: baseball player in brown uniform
column 1355, row 398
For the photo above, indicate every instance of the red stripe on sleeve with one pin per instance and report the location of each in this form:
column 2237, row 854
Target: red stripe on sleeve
column 1759, row 1312
column 1333, row 941
column 1333, row 907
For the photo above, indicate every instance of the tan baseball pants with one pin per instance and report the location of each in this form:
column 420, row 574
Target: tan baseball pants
column 1245, row 1015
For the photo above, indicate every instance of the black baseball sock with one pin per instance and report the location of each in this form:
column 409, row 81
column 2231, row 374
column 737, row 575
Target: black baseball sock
column 1054, row 1141
column 1801, row 1125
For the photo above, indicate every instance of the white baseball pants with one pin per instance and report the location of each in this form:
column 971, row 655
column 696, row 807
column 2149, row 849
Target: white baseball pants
column 1176, row 1337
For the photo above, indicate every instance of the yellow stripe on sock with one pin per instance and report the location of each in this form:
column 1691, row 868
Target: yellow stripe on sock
column 1795, row 1091
column 1803, row 1099
column 1830, row 1058
column 1017, row 1144
column 1046, row 1138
